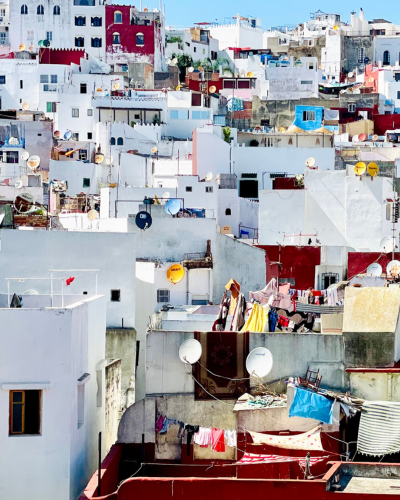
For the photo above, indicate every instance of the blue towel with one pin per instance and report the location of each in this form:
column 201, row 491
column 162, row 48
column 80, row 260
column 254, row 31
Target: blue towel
column 308, row 404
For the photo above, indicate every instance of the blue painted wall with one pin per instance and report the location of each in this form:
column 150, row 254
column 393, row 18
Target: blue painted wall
column 309, row 125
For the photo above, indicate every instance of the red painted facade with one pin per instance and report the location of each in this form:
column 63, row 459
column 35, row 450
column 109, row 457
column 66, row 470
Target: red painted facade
column 371, row 77
column 298, row 263
column 359, row 261
column 61, row 56
column 383, row 123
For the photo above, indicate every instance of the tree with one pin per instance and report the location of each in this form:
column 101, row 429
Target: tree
column 225, row 63
column 227, row 134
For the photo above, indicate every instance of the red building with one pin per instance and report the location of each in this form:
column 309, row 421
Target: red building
column 134, row 37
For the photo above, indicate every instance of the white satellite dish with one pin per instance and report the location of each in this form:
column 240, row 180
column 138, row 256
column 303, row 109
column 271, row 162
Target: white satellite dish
column 25, row 106
column 208, row 177
column 31, row 292
column 374, row 269
column 190, row 351
column 387, row 244
column 33, row 162
column 310, row 162
column 393, row 269
column 351, row 74
column 92, row 215
column 24, row 155
column 174, row 61
column 355, row 138
column 18, row 184
column 191, row 69
column 24, row 202
column 259, row 362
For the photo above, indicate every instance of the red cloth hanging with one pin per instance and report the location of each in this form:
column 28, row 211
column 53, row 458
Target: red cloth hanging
column 69, row 281
column 218, row 440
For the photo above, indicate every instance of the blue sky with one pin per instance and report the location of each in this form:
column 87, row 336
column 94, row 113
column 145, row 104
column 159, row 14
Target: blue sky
column 187, row 12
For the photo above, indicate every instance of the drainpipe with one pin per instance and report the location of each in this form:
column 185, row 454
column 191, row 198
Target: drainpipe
column 210, row 291
column 390, row 380
column 187, row 287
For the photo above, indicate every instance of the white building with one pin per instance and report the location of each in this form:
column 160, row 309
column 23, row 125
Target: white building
column 195, row 42
column 238, row 32
column 4, row 27
column 52, row 398
column 335, row 208
column 387, row 50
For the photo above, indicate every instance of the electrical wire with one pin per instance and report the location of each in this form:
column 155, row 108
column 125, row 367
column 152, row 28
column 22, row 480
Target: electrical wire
column 205, row 390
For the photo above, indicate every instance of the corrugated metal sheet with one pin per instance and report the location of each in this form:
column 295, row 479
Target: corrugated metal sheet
column 316, row 309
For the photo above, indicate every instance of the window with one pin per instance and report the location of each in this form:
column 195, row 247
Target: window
column 51, row 107
column 96, row 42
column 139, row 39
column 118, row 17
column 209, row 189
column 204, row 51
column 196, row 99
column 163, row 295
column 214, row 55
column 308, row 116
column 306, row 82
column 56, row 10
column 397, row 77
column 2, row 80
column 40, row 10
column 81, row 405
column 80, row 21
column 44, row 78
column 49, row 36
column 86, row 182
column 388, row 211
column 75, row 136
column 115, row 296
column 386, row 58
column 137, row 117
column 248, row 189
column 75, row 112
column 120, row 141
column 116, row 38
column 79, row 41
column 124, row 68
column 361, row 54
column 351, row 107
column 112, row 141
column 228, row 211
column 10, row 157
column 229, row 84
column 398, row 94
column 24, row 10
column 83, row 157
column 90, row 136
column 25, row 412
column 179, row 115
column 21, row 84
column 243, row 84
column 83, row 88
column 97, row 21
column 86, row 3
column 328, row 279
column 90, row 112
column 31, row 35
column 189, row 189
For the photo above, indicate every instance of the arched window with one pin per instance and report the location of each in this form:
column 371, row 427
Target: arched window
column 120, row 141
column 96, row 21
column 116, row 38
column 56, row 10
column 79, row 41
column 386, row 58
column 228, row 211
column 118, row 17
column 40, row 10
column 24, row 9
column 139, row 39
column 96, row 42
column 112, row 141
column 80, row 21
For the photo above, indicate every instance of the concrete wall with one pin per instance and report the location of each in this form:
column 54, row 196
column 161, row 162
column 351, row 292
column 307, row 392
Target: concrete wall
column 375, row 385
column 112, row 402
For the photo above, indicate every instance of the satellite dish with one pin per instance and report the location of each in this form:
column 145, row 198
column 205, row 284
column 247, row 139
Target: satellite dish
column 22, row 47
column 208, row 177
column 310, row 162
column 375, row 137
column 13, row 141
column 393, row 269
column 67, row 135
column 354, row 138
column 250, row 74
column 190, row 351
column 173, row 206
column 25, row 106
column 362, row 137
column 46, row 43
column 360, row 168
column 116, row 86
column 371, row 79
column 351, row 74
column 31, row 292
column 281, row 129
column 143, row 220
column 336, row 27
column 92, row 215
column 175, row 273
column 387, row 244
column 373, row 169
column 57, row 134
column 99, row 158
column 374, row 269
column 18, row 184
column 154, row 150
column 259, row 362
column 31, row 48
column 191, row 69
column 212, row 89
column 24, row 155
column 242, row 73
column 33, row 162
column 174, row 61
column 23, row 202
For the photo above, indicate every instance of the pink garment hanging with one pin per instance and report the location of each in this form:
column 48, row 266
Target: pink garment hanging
column 203, row 437
column 252, row 458
column 218, row 440
column 284, row 288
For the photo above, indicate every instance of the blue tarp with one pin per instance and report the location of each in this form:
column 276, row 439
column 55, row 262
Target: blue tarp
column 308, row 404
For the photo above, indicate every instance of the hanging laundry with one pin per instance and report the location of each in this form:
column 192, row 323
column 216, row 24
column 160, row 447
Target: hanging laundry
column 262, row 296
column 284, row 288
column 283, row 321
column 218, row 441
column 220, row 323
column 16, row 301
column 181, row 429
column 191, row 430
column 159, row 423
column 272, row 320
column 69, row 281
column 234, row 287
column 310, row 440
column 231, row 438
column 238, row 317
column 257, row 321
column 252, row 458
column 203, row 437
column 309, row 404
column 166, row 424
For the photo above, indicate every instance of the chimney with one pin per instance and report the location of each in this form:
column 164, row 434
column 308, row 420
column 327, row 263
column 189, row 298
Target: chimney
column 361, row 15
